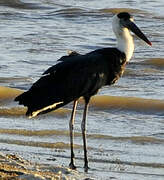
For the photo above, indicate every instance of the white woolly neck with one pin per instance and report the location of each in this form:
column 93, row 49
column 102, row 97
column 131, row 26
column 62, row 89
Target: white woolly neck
column 125, row 41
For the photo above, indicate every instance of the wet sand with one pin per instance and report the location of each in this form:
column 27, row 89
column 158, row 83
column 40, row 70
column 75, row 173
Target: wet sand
column 15, row 167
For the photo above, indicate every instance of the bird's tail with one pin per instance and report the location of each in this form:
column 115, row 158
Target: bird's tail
column 37, row 103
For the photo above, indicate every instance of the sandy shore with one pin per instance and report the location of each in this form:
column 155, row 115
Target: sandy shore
column 16, row 168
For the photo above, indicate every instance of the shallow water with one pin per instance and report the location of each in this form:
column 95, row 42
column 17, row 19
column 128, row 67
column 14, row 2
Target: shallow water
column 125, row 121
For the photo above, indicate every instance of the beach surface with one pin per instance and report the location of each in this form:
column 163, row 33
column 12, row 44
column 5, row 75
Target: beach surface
column 15, row 167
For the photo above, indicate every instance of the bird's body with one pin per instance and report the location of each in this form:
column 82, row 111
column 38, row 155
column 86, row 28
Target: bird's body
column 73, row 77
column 79, row 75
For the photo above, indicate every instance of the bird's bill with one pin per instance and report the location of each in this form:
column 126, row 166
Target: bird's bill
column 130, row 25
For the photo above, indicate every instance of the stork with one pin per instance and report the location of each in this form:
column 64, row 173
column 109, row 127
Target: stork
column 77, row 75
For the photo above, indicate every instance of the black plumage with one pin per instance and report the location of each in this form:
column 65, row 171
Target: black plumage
column 75, row 76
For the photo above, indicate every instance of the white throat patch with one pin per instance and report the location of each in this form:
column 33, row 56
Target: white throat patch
column 125, row 41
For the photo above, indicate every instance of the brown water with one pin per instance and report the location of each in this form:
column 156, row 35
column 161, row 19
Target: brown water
column 125, row 121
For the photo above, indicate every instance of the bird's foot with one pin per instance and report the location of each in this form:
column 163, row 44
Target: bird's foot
column 86, row 168
column 72, row 166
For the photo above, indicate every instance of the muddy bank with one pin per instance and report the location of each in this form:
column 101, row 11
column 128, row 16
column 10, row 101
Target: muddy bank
column 15, row 167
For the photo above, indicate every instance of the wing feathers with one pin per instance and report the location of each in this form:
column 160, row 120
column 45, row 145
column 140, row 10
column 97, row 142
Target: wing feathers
column 74, row 76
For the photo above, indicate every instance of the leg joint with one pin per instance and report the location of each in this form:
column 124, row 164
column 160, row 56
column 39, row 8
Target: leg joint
column 83, row 128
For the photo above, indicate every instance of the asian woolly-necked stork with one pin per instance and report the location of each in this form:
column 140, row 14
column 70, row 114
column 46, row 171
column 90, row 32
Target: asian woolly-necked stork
column 79, row 75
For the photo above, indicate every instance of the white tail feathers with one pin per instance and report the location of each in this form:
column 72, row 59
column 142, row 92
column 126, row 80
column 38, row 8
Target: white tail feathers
column 35, row 113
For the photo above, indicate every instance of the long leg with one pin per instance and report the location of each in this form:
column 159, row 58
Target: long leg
column 83, row 128
column 71, row 127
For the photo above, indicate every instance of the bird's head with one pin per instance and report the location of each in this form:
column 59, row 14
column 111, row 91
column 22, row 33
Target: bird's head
column 124, row 21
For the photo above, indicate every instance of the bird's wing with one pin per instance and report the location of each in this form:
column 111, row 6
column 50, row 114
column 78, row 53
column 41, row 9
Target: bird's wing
column 68, row 80
column 61, row 84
